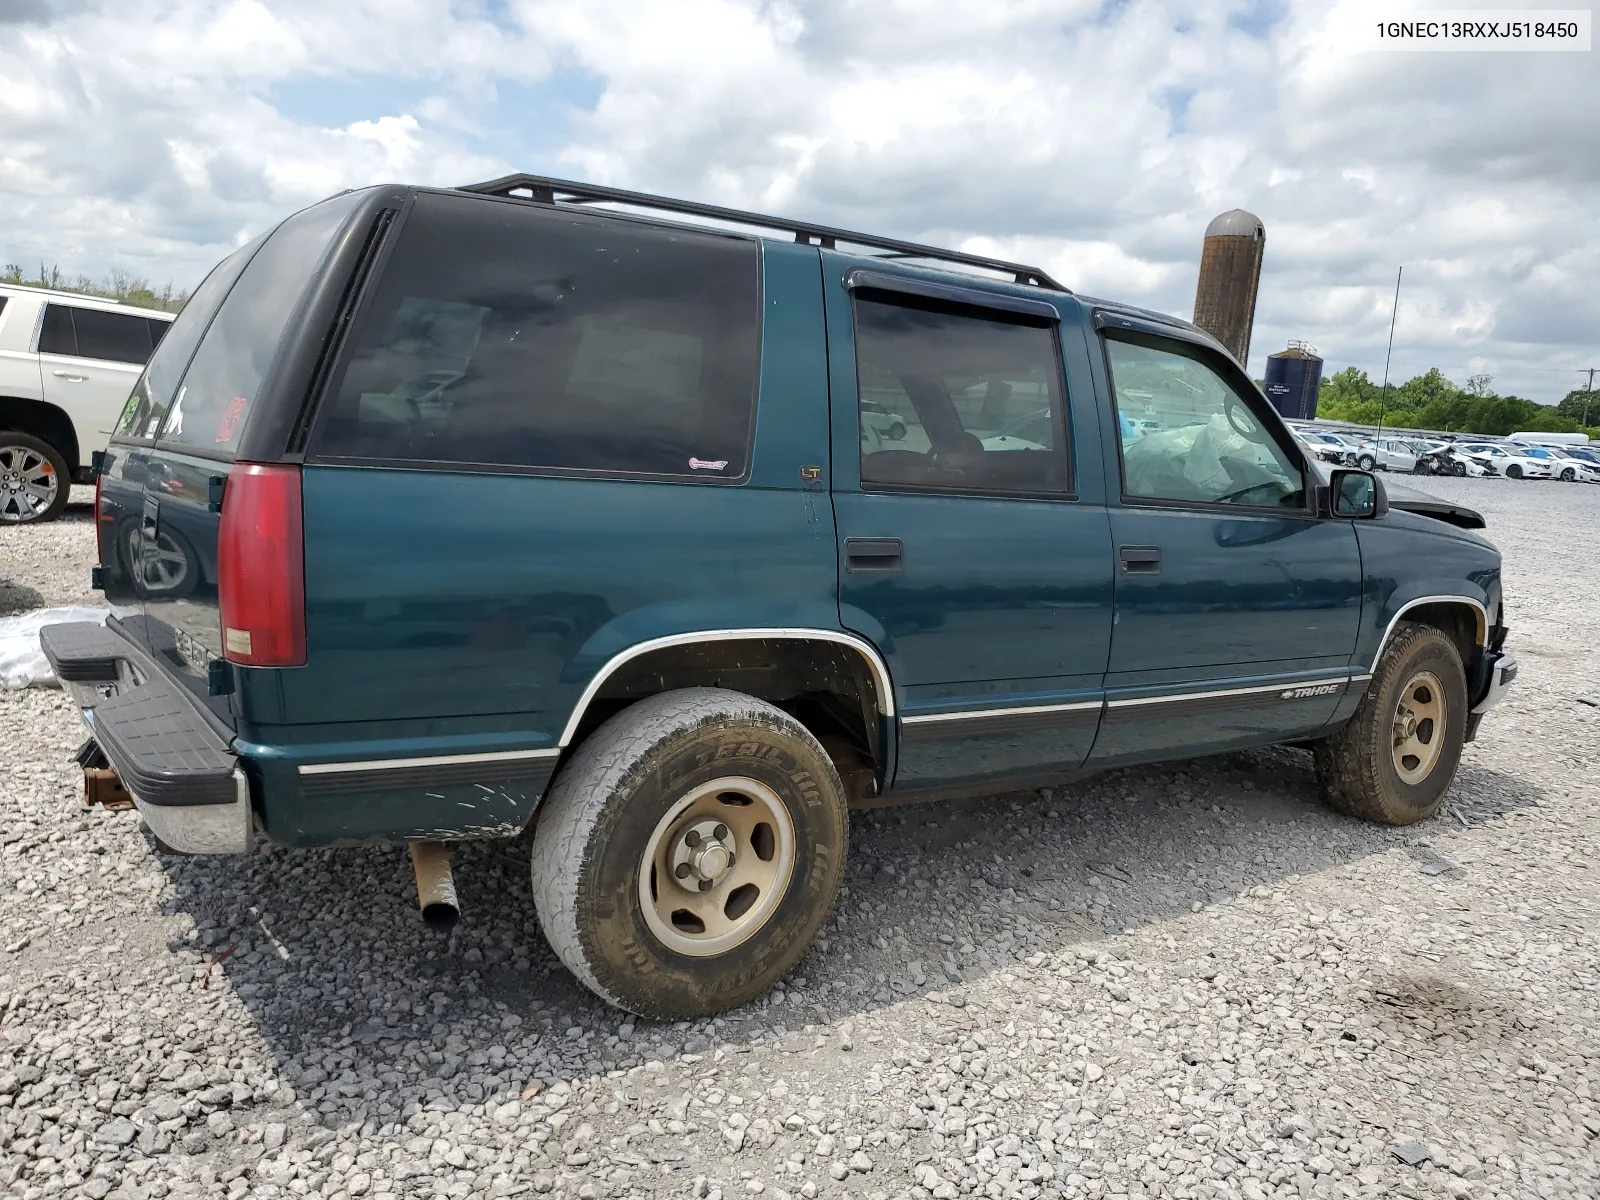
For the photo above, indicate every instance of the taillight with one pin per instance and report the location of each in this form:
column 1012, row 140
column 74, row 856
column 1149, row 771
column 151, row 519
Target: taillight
column 261, row 576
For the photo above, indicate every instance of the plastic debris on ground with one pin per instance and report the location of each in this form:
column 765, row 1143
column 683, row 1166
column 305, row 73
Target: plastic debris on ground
column 22, row 662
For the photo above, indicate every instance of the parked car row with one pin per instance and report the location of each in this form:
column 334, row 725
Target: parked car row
column 1476, row 458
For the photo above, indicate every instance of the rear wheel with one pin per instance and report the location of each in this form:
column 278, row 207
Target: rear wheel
column 1394, row 760
column 689, row 852
column 34, row 480
column 1459, row 468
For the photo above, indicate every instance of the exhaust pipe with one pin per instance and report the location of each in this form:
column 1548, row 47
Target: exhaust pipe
column 436, row 886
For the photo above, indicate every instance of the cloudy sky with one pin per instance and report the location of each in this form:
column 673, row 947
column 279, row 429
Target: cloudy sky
column 1095, row 138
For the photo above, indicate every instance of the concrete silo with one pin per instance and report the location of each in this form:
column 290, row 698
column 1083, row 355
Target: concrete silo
column 1294, row 377
column 1230, row 271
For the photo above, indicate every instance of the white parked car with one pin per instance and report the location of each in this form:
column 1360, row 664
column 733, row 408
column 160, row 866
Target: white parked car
column 67, row 365
column 1566, row 464
column 1395, row 454
column 1511, row 461
column 1328, row 447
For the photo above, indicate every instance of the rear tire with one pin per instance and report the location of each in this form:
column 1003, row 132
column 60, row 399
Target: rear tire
column 1460, row 469
column 699, row 807
column 29, row 469
column 1394, row 760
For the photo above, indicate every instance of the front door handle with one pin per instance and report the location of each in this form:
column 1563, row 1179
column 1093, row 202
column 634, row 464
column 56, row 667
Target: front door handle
column 873, row 555
column 1139, row 560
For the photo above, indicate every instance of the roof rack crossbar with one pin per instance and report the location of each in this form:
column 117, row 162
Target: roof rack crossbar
column 553, row 191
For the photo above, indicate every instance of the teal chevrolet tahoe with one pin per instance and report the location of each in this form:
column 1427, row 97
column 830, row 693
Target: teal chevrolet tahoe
column 664, row 534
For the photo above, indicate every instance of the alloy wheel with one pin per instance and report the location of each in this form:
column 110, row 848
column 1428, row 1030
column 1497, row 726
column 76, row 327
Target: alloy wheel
column 1419, row 725
column 28, row 484
column 716, row 866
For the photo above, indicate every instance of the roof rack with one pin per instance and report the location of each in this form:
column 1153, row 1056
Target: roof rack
column 554, row 191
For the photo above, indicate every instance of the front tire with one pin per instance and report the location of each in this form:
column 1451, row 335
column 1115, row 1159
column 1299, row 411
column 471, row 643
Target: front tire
column 1366, row 462
column 1568, row 474
column 689, row 852
column 1513, row 472
column 1394, row 760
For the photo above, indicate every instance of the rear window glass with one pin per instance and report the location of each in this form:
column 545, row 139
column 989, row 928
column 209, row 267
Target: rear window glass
column 159, row 383
column 236, row 352
column 955, row 397
column 56, row 335
column 509, row 335
column 115, row 337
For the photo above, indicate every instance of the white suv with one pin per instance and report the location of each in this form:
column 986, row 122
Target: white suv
column 67, row 365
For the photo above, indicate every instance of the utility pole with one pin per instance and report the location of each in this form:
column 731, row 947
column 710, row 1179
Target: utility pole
column 1588, row 395
column 1393, row 317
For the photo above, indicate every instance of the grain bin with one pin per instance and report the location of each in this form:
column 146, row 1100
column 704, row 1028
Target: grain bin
column 1294, row 377
column 1230, row 271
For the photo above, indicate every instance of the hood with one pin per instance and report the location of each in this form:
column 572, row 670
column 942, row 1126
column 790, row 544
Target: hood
column 1408, row 499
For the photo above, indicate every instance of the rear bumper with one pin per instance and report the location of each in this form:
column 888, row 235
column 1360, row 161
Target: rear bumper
column 174, row 759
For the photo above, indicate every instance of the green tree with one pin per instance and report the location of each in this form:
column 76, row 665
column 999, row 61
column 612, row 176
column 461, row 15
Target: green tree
column 1580, row 405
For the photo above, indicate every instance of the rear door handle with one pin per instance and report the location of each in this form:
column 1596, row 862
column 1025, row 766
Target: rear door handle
column 1139, row 560
column 873, row 555
column 70, row 377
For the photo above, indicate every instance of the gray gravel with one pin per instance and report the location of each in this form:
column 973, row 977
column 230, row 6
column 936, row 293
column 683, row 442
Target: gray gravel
column 1180, row 981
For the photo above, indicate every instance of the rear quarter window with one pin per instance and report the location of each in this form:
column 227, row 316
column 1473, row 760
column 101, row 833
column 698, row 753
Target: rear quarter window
column 506, row 335
column 237, row 350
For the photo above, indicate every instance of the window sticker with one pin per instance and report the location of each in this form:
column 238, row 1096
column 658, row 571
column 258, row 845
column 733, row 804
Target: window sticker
column 230, row 419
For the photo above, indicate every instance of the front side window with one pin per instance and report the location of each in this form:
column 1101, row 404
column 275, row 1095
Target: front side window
column 1187, row 436
column 218, row 389
column 520, row 336
column 959, row 398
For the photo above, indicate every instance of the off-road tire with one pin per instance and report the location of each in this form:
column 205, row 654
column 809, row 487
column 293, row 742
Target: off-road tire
column 58, row 463
column 603, row 809
column 1355, row 766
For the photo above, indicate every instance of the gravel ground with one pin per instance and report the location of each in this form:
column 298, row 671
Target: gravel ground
column 1180, row 981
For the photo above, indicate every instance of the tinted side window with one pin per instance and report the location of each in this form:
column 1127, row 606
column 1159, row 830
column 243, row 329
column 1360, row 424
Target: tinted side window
column 227, row 370
column 159, row 383
column 511, row 335
column 56, row 335
column 1187, row 436
column 115, row 337
column 956, row 398
column 158, row 329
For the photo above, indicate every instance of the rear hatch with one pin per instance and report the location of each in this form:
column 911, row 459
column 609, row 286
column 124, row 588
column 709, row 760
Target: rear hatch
column 162, row 495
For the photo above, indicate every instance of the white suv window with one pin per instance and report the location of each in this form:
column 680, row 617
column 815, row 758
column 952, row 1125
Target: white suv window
column 96, row 333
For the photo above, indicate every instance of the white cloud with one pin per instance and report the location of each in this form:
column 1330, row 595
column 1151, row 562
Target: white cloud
column 1096, row 139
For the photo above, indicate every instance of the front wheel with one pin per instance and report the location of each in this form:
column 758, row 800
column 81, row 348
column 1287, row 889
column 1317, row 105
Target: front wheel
column 1568, row 475
column 689, row 852
column 1513, row 472
column 1394, row 760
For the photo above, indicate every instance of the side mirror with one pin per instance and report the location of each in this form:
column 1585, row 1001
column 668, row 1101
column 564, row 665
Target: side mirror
column 1357, row 495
